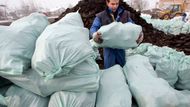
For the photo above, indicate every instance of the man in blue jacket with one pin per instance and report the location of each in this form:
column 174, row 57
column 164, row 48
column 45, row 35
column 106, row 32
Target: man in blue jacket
column 113, row 12
column 185, row 16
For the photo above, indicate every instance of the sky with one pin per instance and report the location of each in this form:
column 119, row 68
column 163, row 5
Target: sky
column 46, row 4
column 50, row 4
column 55, row 4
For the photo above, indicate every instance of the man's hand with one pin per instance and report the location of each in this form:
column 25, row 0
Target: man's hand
column 97, row 37
column 140, row 39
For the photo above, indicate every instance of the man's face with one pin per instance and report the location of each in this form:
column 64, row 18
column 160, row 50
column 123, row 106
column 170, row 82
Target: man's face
column 113, row 4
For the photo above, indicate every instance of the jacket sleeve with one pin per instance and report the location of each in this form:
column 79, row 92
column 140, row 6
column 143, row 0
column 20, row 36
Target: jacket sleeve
column 95, row 26
column 130, row 20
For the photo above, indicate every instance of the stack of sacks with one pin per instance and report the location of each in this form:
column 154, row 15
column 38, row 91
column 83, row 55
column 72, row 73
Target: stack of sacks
column 141, row 49
column 83, row 77
column 63, row 60
column 113, row 91
column 174, row 26
column 168, row 65
column 71, row 99
column 62, row 46
column 184, row 73
column 164, row 60
column 17, row 43
column 163, row 25
column 148, row 89
column 186, row 28
column 119, row 35
column 18, row 97
column 2, row 28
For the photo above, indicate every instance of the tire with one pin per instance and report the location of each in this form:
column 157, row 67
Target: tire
column 165, row 17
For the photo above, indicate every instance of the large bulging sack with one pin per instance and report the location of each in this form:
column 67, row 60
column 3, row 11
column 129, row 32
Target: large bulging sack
column 71, row 99
column 83, row 78
column 2, row 28
column 17, row 43
column 119, row 35
column 113, row 90
column 62, row 46
column 19, row 97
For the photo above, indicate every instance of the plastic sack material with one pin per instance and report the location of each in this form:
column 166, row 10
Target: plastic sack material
column 164, row 60
column 113, row 91
column 83, row 77
column 61, row 47
column 184, row 74
column 155, row 54
column 167, row 67
column 17, row 43
column 119, row 35
column 148, row 89
column 2, row 28
column 18, row 97
column 186, row 28
column 174, row 26
column 37, row 21
column 141, row 49
column 70, row 99
column 3, row 102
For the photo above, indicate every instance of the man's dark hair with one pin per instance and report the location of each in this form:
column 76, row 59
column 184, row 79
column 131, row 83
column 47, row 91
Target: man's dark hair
column 120, row 1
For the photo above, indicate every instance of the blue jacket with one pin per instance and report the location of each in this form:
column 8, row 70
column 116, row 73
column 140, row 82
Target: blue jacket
column 111, row 56
column 97, row 21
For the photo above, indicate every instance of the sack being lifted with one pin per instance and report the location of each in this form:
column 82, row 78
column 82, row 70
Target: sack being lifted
column 119, row 35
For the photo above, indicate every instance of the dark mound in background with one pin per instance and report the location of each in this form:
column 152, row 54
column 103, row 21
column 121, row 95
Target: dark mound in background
column 89, row 8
